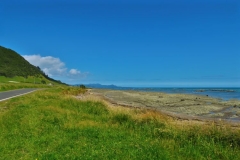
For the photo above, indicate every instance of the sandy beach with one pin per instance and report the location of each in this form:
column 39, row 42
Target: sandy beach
column 187, row 106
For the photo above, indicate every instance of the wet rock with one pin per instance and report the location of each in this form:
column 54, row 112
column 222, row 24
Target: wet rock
column 200, row 90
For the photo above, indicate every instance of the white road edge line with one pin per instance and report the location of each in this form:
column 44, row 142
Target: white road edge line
column 16, row 96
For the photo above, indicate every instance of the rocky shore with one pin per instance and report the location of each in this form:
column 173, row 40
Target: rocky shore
column 178, row 105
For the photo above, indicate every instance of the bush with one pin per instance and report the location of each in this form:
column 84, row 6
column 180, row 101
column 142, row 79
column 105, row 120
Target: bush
column 82, row 86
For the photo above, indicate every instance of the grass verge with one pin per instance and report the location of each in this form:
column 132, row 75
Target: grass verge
column 52, row 124
column 19, row 82
column 10, row 86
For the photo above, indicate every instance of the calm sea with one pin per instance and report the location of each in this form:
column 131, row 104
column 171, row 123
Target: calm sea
column 222, row 93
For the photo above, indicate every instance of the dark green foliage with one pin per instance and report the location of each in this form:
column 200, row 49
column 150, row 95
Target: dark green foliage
column 12, row 64
column 82, row 86
column 43, row 82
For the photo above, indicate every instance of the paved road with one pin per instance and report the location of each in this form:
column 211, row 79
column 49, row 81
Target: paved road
column 10, row 94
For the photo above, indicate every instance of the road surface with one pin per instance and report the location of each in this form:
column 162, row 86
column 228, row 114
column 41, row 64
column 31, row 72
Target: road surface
column 15, row 93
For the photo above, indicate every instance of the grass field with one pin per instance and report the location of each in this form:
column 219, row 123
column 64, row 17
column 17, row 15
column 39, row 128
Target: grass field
column 52, row 124
column 18, row 82
column 30, row 79
column 6, row 87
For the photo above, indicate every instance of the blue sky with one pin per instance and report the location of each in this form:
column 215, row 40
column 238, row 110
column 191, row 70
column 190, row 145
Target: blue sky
column 168, row 43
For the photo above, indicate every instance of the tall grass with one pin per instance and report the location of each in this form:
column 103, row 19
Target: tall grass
column 50, row 124
column 11, row 86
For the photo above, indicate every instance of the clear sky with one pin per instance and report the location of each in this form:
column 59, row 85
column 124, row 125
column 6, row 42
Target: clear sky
column 161, row 43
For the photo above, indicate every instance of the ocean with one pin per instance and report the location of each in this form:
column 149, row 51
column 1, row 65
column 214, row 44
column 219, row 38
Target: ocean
column 221, row 93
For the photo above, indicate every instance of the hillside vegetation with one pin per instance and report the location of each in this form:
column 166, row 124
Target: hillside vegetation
column 53, row 124
column 13, row 66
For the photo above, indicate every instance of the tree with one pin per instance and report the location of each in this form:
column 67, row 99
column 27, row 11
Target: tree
column 82, row 86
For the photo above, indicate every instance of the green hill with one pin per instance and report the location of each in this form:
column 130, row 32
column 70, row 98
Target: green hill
column 14, row 65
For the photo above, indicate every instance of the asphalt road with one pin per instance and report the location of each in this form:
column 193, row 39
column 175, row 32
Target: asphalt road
column 15, row 93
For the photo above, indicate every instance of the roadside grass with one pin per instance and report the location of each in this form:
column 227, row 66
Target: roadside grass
column 72, row 91
column 52, row 124
column 11, row 86
column 29, row 79
column 19, row 82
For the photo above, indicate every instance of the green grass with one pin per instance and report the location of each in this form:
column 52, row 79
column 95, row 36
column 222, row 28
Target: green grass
column 29, row 79
column 19, row 79
column 19, row 82
column 11, row 86
column 51, row 124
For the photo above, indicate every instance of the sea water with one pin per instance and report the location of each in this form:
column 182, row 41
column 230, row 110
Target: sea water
column 222, row 93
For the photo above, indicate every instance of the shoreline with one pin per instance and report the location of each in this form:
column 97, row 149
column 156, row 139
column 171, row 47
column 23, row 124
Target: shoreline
column 224, row 93
column 178, row 106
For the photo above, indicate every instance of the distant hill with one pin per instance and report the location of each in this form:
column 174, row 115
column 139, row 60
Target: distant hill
column 12, row 64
